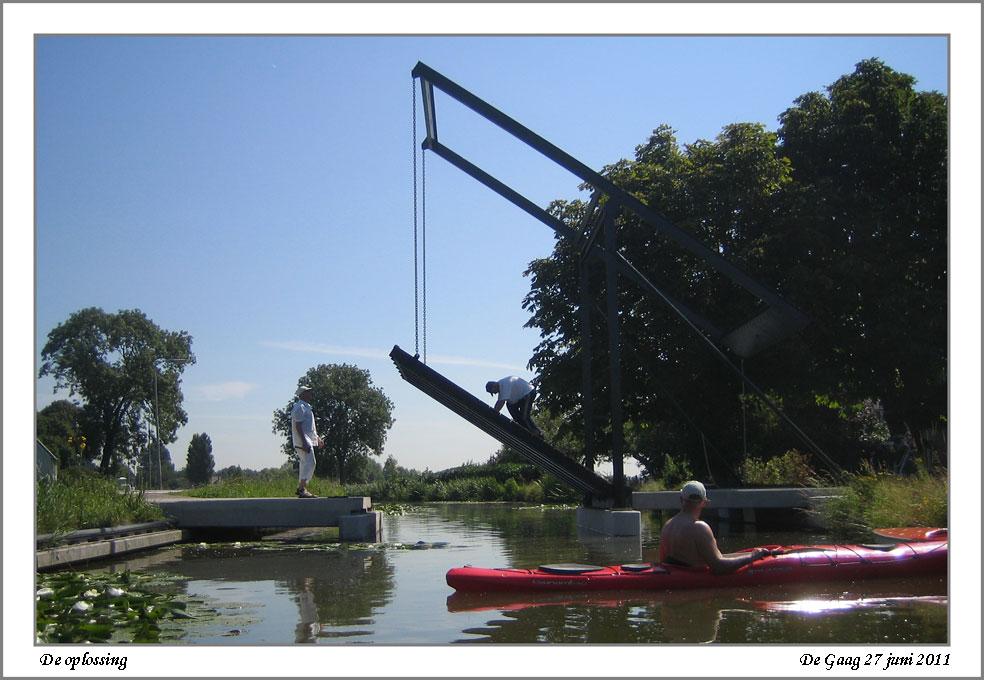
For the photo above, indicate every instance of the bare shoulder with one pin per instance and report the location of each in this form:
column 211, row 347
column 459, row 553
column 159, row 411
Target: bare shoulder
column 703, row 528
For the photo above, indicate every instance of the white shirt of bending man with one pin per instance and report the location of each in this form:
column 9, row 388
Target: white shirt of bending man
column 513, row 388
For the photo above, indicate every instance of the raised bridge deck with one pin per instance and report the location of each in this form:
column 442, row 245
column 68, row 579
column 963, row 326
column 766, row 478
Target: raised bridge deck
column 484, row 417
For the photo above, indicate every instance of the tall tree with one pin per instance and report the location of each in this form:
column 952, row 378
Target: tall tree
column 200, row 464
column 869, row 199
column 674, row 391
column 842, row 211
column 115, row 362
column 351, row 415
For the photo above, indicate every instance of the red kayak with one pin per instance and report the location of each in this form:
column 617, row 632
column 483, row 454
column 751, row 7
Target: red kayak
column 793, row 564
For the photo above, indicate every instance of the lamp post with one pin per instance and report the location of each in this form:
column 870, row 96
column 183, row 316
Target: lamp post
column 157, row 428
column 157, row 418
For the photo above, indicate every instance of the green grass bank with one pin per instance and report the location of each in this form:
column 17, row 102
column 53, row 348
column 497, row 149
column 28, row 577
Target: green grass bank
column 80, row 499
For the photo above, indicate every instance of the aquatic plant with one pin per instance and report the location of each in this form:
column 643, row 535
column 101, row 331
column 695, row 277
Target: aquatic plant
column 76, row 607
column 393, row 508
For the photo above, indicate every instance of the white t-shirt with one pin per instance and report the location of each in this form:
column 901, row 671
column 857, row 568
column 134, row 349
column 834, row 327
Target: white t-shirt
column 512, row 389
column 303, row 414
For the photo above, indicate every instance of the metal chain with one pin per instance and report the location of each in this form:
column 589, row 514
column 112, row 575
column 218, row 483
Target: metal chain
column 423, row 250
column 416, row 294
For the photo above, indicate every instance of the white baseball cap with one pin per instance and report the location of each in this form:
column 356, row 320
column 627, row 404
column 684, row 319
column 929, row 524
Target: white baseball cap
column 301, row 390
column 693, row 491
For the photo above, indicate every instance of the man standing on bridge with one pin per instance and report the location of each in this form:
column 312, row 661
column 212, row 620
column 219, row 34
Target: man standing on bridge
column 518, row 395
column 304, row 436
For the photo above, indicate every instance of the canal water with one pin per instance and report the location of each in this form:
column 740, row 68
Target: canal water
column 394, row 593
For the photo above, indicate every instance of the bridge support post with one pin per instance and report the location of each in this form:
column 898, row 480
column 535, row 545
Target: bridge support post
column 362, row 527
column 615, row 358
column 610, row 522
column 585, row 318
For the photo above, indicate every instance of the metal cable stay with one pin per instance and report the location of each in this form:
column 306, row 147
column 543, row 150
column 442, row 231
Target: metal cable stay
column 778, row 320
column 419, row 300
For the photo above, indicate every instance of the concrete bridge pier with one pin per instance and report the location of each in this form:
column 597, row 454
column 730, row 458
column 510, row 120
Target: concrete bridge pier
column 610, row 522
column 361, row 527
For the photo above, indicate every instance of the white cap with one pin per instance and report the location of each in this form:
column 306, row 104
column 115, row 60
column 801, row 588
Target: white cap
column 301, row 390
column 693, row 491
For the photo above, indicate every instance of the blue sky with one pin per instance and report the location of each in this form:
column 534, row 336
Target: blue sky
column 256, row 192
column 235, row 167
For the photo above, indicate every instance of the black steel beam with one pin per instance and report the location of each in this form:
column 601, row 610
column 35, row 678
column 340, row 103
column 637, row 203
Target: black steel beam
column 630, row 202
column 500, row 188
column 584, row 312
column 614, row 359
column 531, row 208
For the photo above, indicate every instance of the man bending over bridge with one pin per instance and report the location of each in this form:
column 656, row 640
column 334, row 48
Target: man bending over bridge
column 518, row 395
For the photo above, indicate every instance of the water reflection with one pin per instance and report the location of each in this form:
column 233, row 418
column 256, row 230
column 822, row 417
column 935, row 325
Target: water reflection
column 611, row 549
column 309, row 626
column 698, row 616
column 336, row 590
column 626, row 616
column 270, row 592
column 529, row 536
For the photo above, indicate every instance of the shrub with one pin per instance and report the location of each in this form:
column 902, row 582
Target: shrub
column 877, row 499
column 532, row 492
column 790, row 469
column 555, row 492
column 511, row 490
column 275, row 485
column 652, row 485
column 80, row 499
column 674, row 473
column 489, row 489
column 521, row 472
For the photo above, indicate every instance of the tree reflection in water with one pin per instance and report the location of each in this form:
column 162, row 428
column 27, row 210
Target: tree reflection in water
column 337, row 589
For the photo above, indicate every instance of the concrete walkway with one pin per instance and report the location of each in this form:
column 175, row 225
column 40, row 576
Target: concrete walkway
column 742, row 504
column 93, row 544
column 351, row 514
column 738, row 498
column 191, row 513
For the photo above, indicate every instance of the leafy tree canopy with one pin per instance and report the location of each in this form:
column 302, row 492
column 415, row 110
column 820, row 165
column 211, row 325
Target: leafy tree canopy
column 201, row 464
column 351, row 415
column 842, row 211
column 113, row 362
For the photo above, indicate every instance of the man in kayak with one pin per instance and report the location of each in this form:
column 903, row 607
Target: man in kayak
column 686, row 541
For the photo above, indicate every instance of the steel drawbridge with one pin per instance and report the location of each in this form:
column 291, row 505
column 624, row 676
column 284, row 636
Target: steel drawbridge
column 484, row 417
